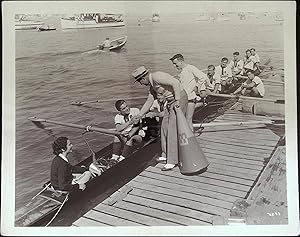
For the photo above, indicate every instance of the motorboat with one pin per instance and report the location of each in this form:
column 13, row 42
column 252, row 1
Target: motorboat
column 92, row 20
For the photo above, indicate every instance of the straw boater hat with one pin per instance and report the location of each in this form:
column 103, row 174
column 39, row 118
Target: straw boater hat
column 139, row 73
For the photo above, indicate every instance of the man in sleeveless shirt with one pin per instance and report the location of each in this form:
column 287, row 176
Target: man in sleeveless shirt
column 164, row 83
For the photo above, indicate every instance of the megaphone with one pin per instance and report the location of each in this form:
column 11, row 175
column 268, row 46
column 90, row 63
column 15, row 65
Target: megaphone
column 191, row 158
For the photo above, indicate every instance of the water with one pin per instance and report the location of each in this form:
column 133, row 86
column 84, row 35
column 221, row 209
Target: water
column 56, row 67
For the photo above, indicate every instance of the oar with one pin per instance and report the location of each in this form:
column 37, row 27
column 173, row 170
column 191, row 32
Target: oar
column 205, row 125
column 248, row 98
column 37, row 121
column 105, row 100
column 264, row 80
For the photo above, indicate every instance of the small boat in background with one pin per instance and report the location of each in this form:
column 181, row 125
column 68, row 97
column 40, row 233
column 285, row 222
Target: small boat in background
column 21, row 23
column 155, row 17
column 46, row 28
column 115, row 44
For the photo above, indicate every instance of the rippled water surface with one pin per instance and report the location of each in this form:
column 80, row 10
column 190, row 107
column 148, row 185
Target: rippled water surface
column 56, row 67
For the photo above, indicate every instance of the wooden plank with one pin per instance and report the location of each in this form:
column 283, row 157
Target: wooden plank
column 83, row 221
column 155, row 217
column 200, row 179
column 268, row 199
column 234, row 136
column 231, row 173
column 235, row 147
column 238, row 170
column 179, row 193
column 232, row 128
column 235, row 159
column 211, row 151
column 143, row 217
column 234, row 164
column 276, row 166
column 178, row 201
column 254, row 155
column 238, row 135
column 198, row 191
column 224, row 176
column 109, row 219
column 251, row 143
column 266, row 134
column 168, row 208
column 195, row 184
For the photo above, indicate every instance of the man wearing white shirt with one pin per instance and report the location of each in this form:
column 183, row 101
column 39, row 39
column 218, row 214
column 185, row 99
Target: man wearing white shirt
column 225, row 73
column 249, row 62
column 130, row 129
column 236, row 64
column 256, row 60
column 253, row 86
column 192, row 79
column 213, row 82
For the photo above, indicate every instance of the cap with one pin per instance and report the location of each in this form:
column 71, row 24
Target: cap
column 139, row 73
column 177, row 56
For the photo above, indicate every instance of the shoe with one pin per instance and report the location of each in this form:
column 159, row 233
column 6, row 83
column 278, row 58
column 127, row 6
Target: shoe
column 115, row 157
column 168, row 167
column 161, row 159
column 121, row 158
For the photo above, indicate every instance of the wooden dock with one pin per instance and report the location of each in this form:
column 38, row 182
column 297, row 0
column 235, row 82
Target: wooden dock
column 237, row 155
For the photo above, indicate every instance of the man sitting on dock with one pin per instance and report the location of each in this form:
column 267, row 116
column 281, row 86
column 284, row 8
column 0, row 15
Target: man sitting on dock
column 64, row 176
column 130, row 128
column 164, row 83
column 225, row 73
column 253, row 86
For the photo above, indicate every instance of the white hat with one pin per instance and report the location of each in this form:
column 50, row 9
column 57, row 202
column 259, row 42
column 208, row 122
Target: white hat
column 139, row 73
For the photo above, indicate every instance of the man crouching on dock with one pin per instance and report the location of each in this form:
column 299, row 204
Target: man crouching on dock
column 64, row 176
column 164, row 83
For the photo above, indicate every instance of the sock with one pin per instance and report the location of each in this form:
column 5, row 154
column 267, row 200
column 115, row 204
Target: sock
column 126, row 150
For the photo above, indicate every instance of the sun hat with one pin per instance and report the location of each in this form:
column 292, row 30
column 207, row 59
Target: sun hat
column 139, row 73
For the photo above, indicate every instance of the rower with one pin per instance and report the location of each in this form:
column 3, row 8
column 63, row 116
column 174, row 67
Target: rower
column 249, row 61
column 253, row 86
column 225, row 73
column 64, row 176
column 129, row 126
column 236, row 64
column 213, row 81
column 256, row 61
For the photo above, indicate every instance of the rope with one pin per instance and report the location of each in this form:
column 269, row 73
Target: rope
column 66, row 198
